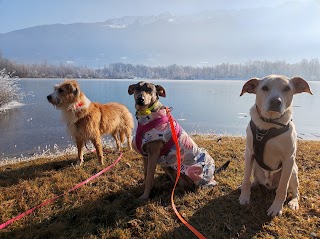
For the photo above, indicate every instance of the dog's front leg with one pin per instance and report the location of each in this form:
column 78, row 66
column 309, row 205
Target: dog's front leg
column 244, row 198
column 145, row 168
column 80, row 146
column 294, row 187
column 281, row 192
column 153, row 151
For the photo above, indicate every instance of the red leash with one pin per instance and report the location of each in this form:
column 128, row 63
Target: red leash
column 175, row 138
column 5, row 224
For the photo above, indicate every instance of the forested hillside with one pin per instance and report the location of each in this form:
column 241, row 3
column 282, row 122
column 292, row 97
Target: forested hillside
column 309, row 69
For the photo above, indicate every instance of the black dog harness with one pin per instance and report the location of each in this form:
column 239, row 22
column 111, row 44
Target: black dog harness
column 260, row 138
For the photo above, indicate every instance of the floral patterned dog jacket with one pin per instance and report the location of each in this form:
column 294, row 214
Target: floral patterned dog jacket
column 196, row 162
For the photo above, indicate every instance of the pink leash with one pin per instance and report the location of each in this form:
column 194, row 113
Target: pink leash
column 175, row 138
column 5, row 224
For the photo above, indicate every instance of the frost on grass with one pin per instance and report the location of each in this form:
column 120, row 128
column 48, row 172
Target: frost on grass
column 9, row 89
column 45, row 152
column 55, row 151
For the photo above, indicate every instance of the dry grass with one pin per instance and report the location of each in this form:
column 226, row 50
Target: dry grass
column 108, row 206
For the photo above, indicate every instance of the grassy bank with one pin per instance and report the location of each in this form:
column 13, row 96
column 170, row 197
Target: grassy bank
column 108, row 207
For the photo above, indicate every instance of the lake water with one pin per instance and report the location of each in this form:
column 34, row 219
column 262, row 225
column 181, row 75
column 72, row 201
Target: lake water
column 212, row 107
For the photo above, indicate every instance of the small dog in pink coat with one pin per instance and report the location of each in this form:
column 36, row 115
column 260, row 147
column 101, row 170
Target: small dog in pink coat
column 154, row 141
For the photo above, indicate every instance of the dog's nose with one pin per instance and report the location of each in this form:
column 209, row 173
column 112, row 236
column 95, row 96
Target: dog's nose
column 140, row 100
column 275, row 104
column 49, row 97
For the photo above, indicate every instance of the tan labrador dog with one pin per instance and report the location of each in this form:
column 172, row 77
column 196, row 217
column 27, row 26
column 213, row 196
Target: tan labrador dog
column 88, row 121
column 272, row 140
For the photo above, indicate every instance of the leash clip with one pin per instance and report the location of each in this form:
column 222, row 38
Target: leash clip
column 259, row 137
column 169, row 109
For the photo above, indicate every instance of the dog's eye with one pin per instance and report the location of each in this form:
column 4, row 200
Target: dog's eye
column 265, row 88
column 149, row 90
column 60, row 90
column 287, row 88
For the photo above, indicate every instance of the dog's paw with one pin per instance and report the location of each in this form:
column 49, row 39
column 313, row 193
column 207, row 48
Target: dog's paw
column 275, row 210
column 211, row 184
column 244, row 198
column 254, row 184
column 79, row 163
column 293, row 204
column 144, row 197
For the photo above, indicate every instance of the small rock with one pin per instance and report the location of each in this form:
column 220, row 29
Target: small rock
column 313, row 234
column 133, row 223
column 128, row 165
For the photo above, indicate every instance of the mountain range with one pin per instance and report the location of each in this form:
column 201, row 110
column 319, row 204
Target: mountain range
column 288, row 32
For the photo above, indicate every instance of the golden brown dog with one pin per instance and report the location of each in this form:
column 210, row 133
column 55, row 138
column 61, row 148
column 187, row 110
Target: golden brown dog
column 272, row 140
column 88, row 121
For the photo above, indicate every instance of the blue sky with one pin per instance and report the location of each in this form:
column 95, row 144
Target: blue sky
column 19, row 14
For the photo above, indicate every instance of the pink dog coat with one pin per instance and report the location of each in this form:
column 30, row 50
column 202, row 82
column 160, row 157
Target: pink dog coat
column 196, row 163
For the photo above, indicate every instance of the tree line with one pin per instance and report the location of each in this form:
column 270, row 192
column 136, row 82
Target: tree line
column 309, row 69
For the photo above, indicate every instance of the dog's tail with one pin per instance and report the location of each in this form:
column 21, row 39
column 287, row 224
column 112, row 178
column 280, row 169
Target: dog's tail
column 223, row 167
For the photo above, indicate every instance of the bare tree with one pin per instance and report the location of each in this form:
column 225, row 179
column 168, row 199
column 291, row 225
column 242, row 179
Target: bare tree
column 9, row 89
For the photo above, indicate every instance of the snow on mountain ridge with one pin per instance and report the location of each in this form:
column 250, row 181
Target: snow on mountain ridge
column 285, row 32
column 140, row 20
column 116, row 26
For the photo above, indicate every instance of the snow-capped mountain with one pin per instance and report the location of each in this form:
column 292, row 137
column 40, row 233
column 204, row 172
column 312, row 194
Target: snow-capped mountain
column 288, row 32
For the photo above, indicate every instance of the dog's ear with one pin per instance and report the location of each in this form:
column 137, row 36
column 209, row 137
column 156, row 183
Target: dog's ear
column 75, row 91
column 72, row 87
column 161, row 91
column 250, row 86
column 131, row 89
column 300, row 85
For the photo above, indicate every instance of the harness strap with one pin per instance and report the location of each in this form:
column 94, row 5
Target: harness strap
column 260, row 138
column 141, row 129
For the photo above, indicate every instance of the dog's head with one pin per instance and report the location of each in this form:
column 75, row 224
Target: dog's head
column 64, row 94
column 274, row 93
column 145, row 94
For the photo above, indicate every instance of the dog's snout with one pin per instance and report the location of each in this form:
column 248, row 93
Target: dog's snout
column 49, row 97
column 275, row 104
column 140, row 100
column 276, row 101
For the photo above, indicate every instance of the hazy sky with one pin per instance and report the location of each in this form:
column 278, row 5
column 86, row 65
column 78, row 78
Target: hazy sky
column 19, row 14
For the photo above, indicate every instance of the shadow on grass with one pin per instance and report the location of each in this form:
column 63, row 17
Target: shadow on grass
column 9, row 176
column 108, row 213
column 224, row 217
column 221, row 217
column 79, row 222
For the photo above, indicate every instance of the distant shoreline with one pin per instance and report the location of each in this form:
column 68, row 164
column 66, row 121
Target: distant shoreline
column 140, row 79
